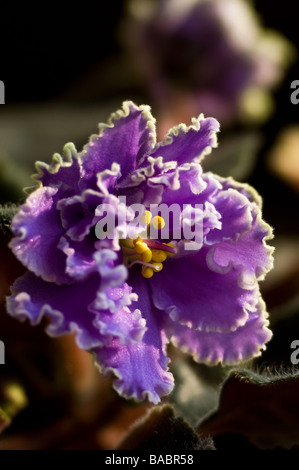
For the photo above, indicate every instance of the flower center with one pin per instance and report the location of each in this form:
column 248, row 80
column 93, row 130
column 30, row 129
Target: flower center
column 150, row 254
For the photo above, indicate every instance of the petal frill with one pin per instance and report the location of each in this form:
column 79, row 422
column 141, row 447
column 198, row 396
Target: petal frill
column 63, row 172
column 142, row 368
column 37, row 229
column 250, row 253
column 236, row 217
column 32, row 299
column 194, row 295
column 129, row 136
column 69, row 309
column 78, row 213
column 80, row 262
column 226, row 348
column 177, row 186
column 185, row 144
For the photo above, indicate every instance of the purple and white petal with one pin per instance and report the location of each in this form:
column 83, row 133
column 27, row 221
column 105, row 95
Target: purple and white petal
column 80, row 262
column 236, row 217
column 37, row 229
column 185, row 144
column 250, row 253
column 141, row 369
column 246, row 342
column 194, row 295
column 64, row 171
column 66, row 306
column 70, row 309
column 125, row 140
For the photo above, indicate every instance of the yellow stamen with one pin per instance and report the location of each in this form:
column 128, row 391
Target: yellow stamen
column 159, row 256
column 168, row 252
column 146, row 256
column 140, row 246
column 147, row 272
column 146, row 217
column 158, row 222
column 157, row 266
column 127, row 243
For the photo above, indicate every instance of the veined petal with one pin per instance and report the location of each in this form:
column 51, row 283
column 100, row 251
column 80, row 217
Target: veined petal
column 178, row 185
column 78, row 213
column 125, row 140
column 236, row 217
column 194, row 295
column 185, row 144
column 70, row 310
column 37, row 229
column 80, row 262
column 63, row 172
column 32, row 299
column 141, row 369
column 250, row 253
column 244, row 343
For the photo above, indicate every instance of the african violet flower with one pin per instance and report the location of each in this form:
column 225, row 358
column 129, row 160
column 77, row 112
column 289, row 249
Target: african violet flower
column 212, row 55
column 107, row 284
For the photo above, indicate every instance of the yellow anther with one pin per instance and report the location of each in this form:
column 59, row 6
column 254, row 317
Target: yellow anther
column 140, row 246
column 157, row 266
column 158, row 222
column 146, row 256
column 146, row 217
column 147, row 272
column 127, row 243
column 168, row 252
column 159, row 256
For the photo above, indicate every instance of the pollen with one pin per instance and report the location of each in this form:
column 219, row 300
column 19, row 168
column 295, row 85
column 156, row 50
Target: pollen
column 147, row 272
column 140, row 246
column 148, row 253
column 146, row 256
column 158, row 256
column 146, row 217
column 158, row 222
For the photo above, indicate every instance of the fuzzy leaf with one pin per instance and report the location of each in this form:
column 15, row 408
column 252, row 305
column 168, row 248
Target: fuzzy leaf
column 7, row 212
column 262, row 409
column 161, row 431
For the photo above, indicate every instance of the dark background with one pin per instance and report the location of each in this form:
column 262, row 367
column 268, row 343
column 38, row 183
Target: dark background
column 51, row 54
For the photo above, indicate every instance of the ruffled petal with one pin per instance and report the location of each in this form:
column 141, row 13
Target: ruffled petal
column 194, row 295
column 185, row 144
column 125, row 140
column 227, row 348
column 63, row 172
column 236, row 217
column 37, row 229
column 70, row 309
column 78, row 213
column 67, row 306
column 176, row 186
column 250, row 253
column 141, row 369
column 80, row 261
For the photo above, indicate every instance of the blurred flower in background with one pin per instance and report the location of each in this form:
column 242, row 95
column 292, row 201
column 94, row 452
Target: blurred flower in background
column 283, row 158
column 209, row 56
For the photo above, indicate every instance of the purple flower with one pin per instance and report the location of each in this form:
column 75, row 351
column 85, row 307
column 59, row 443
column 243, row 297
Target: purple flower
column 111, row 290
column 215, row 56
